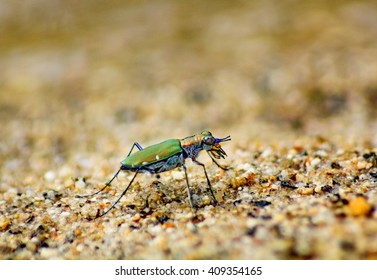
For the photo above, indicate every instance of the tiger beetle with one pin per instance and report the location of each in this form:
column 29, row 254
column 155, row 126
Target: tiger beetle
column 167, row 156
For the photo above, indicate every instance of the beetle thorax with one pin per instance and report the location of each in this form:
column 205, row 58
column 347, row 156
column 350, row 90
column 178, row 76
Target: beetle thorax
column 192, row 146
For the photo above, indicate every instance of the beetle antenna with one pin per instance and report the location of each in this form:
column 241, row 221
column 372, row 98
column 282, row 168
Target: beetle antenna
column 107, row 184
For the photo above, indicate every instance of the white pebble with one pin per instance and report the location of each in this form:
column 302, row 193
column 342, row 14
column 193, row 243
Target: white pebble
column 250, row 223
column 266, row 153
column 48, row 253
column 50, row 176
column 245, row 166
column 65, row 214
column 51, row 212
column 274, row 187
column 363, row 177
column 65, row 171
column 284, row 174
column 80, row 247
column 321, row 153
column 191, row 226
column 315, row 161
column 318, row 189
column 300, row 185
column 244, row 195
column 177, row 175
column 80, row 183
column 251, row 170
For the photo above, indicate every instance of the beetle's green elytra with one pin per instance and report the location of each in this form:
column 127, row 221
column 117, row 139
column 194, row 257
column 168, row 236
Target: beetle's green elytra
column 168, row 155
column 152, row 154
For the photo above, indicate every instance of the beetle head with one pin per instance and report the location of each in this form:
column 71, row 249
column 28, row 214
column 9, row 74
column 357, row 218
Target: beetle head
column 212, row 144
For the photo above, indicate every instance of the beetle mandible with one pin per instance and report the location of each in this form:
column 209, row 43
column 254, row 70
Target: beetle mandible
column 168, row 155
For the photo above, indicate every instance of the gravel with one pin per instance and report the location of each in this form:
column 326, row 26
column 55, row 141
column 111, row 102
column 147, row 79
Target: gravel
column 294, row 85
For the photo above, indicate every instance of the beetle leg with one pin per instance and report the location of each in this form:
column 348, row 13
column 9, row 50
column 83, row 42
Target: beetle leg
column 107, row 184
column 222, row 167
column 123, row 193
column 208, row 182
column 133, row 146
column 188, row 187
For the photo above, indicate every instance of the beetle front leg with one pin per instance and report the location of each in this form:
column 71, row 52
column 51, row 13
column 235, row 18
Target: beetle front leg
column 208, row 182
column 218, row 165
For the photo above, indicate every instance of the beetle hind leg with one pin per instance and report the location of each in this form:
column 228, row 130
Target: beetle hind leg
column 116, row 202
column 106, row 185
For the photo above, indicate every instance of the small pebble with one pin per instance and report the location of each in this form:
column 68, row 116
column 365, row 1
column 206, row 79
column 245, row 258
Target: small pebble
column 318, row 189
column 49, row 253
column 65, row 171
column 136, row 218
column 360, row 206
column 65, row 214
column 177, row 175
column 50, row 176
column 206, row 200
column 80, row 183
column 305, row 191
column 4, row 224
column 362, row 164
column 168, row 225
column 315, row 162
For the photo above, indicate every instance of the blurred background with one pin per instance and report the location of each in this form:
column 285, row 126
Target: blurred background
column 85, row 79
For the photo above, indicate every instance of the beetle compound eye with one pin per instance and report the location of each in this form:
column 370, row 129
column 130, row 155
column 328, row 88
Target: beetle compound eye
column 209, row 140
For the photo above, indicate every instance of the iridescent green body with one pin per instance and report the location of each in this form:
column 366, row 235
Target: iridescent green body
column 156, row 158
column 168, row 155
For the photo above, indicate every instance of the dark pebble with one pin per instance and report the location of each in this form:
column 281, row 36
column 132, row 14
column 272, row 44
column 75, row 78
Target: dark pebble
column 335, row 165
column 287, row 185
column 266, row 217
column 369, row 155
column 260, row 203
column 163, row 219
column 251, row 231
column 326, row 188
column 237, row 202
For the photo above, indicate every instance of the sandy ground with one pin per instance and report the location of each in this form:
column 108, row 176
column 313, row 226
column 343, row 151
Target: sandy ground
column 293, row 82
